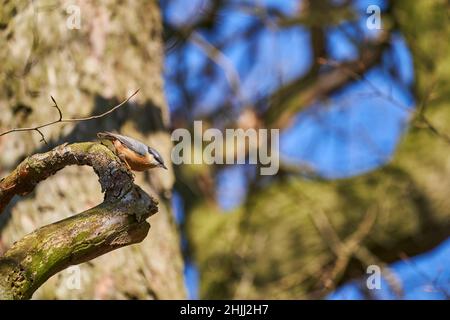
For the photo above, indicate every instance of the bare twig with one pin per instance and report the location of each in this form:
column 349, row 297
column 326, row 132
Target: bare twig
column 42, row 136
column 298, row 94
column 62, row 120
column 222, row 61
column 424, row 275
column 351, row 246
column 57, row 107
column 426, row 99
column 422, row 121
column 425, row 123
column 361, row 77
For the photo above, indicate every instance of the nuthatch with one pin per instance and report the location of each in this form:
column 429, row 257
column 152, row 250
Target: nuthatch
column 136, row 155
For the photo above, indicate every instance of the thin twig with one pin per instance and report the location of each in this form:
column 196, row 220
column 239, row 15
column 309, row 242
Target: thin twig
column 426, row 99
column 222, row 61
column 42, row 136
column 61, row 120
column 423, row 121
column 57, row 107
column 424, row 275
column 350, row 247
column 361, row 77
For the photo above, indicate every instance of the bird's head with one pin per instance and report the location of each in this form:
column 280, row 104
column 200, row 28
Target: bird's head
column 157, row 160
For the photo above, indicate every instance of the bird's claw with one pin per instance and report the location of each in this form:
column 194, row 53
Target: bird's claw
column 127, row 165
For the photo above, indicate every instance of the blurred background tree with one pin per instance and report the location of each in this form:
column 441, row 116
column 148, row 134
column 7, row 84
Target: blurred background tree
column 364, row 147
column 364, row 139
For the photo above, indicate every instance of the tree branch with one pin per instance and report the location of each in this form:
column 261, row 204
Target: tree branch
column 299, row 94
column 118, row 221
column 62, row 120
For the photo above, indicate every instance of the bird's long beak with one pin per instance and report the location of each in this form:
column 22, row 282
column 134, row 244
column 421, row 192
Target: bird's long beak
column 163, row 166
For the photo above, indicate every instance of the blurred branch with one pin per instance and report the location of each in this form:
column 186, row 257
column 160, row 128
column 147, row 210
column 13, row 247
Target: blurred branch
column 433, row 282
column 317, row 12
column 348, row 248
column 422, row 120
column 351, row 246
column 117, row 222
column 206, row 19
column 62, row 120
column 300, row 93
column 222, row 61
column 425, row 123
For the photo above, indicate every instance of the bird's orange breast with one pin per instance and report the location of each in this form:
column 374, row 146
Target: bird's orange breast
column 134, row 160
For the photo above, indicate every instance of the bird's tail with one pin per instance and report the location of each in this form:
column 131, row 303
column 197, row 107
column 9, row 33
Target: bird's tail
column 106, row 135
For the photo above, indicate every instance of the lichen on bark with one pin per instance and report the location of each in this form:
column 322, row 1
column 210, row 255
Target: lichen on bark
column 118, row 221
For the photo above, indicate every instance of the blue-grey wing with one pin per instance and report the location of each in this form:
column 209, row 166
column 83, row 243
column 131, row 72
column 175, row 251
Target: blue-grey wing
column 131, row 143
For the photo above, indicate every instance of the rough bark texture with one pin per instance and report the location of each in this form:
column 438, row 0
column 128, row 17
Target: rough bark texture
column 117, row 222
column 114, row 180
column 117, row 50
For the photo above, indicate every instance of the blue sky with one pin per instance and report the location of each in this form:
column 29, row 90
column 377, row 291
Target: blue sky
column 354, row 131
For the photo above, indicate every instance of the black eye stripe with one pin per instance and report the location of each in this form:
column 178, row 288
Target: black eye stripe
column 156, row 155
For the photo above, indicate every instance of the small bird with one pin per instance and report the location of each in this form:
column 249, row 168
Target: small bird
column 136, row 155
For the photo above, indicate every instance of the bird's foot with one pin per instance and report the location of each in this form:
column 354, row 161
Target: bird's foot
column 127, row 165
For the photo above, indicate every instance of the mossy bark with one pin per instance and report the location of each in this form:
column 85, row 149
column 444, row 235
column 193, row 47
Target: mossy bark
column 117, row 222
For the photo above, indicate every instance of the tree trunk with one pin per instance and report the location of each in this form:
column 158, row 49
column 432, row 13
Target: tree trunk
column 116, row 50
